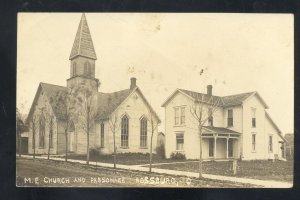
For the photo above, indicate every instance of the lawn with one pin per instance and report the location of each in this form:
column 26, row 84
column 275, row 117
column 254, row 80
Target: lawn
column 258, row 169
column 48, row 171
column 126, row 158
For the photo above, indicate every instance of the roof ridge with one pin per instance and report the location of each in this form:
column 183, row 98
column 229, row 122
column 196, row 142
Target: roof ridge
column 239, row 94
column 42, row 83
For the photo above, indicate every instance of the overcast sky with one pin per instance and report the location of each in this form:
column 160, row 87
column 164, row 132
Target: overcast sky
column 238, row 52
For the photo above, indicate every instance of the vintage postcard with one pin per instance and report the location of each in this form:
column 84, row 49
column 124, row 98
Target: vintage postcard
column 155, row 100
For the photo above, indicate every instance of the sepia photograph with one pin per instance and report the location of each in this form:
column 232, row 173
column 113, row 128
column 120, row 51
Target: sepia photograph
column 155, row 100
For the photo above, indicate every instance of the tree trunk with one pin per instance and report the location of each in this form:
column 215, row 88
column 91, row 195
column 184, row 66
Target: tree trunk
column 150, row 166
column 66, row 135
column 88, row 142
column 200, row 156
column 115, row 155
column 20, row 142
column 49, row 145
column 33, row 135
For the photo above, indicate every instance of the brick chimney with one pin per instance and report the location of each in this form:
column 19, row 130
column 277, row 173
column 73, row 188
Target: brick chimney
column 132, row 83
column 209, row 90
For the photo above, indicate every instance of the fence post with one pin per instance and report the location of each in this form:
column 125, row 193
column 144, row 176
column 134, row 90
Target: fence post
column 234, row 166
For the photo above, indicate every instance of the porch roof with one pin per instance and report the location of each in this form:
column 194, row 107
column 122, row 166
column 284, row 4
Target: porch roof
column 212, row 129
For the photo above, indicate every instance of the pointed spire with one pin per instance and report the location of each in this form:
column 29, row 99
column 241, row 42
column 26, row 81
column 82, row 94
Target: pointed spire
column 83, row 44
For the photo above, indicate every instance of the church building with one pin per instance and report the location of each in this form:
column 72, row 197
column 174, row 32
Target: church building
column 80, row 108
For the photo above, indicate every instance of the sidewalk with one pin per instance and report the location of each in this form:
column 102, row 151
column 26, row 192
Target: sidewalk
column 263, row 183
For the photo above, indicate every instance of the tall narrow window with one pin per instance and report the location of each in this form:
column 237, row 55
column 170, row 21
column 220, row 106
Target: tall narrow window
column 102, row 135
column 51, row 133
column 270, row 143
column 74, row 68
column 253, row 116
column 182, row 117
column 176, row 116
column 87, row 68
column 179, row 141
column 253, row 142
column 143, row 132
column 230, row 118
column 124, row 131
column 211, row 147
column 210, row 117
column 42, row 132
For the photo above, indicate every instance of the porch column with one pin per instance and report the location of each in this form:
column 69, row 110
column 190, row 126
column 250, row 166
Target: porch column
column 227, row 147
column 215, row 147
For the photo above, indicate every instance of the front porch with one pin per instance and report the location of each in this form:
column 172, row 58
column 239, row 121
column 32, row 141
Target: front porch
column 220, row 144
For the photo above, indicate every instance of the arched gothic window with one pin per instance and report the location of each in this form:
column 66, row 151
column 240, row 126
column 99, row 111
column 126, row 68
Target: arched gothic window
column 51, row 133
column 124, row 131
column 143, row 132
column 71, row 126
column 42, row 132
column 74, row 68
column 87, row 68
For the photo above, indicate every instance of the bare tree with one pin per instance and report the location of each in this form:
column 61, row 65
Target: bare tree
column 64, row 104
column 33, row 127
column 153, row 128
column 20, row 128
column 114, row 126
column 86, row 100
column 202, row 111
column 50, row 139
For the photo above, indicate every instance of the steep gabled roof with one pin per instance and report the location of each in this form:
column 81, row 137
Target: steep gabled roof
column 107, row 102
column 52, row 92
column 204, row 98
column 56, row 95
column 83, row 44
column 237, row 99
column 222, row 101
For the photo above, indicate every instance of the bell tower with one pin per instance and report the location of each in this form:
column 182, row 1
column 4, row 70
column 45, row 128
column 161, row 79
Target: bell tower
column 83, row 57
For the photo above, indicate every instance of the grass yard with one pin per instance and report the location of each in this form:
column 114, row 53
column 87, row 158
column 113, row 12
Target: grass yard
column 126, row 158
column 48, row 171
column 259, row 169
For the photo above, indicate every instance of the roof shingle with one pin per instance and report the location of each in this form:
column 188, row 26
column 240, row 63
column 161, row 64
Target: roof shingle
column 83, row 44
column 231, row 100
column 107, row 102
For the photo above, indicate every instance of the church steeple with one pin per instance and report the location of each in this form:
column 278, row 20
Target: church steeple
column 83, row 57
column 83, row 54
column 83, row 44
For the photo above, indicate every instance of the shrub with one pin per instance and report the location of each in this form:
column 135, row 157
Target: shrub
column 94, row 153
column 160, row 151
column 177, row 156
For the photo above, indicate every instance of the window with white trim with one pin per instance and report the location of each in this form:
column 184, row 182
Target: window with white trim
column 179, row 141
column 230, row 118
column 253, row 142
column 143, row 132
column 124, row 131
column 179, row 115
column 270, row 143
column 253, row 117
column 182, row 117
